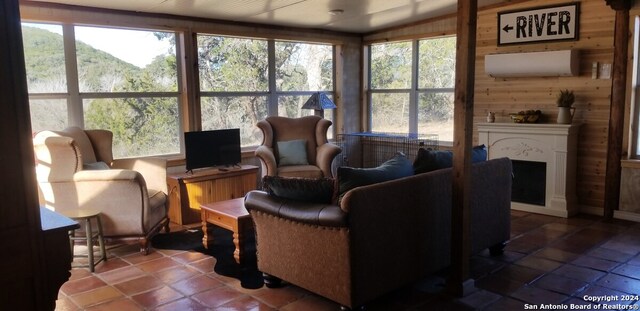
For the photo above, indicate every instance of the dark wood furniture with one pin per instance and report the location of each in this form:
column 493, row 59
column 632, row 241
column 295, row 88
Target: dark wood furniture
column 231, row 215
column 55, row 236
column 187, row 191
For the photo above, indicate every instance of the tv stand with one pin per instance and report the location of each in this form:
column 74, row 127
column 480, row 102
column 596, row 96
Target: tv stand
column 187, row 191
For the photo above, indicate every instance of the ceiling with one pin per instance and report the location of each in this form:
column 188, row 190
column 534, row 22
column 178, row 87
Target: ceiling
column 357, row 16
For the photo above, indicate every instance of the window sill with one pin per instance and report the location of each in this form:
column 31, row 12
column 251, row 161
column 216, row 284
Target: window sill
column 630, row 163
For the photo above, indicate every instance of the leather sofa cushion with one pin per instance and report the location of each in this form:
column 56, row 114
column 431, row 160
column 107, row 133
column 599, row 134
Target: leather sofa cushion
column 318, row 214
column 316, row 190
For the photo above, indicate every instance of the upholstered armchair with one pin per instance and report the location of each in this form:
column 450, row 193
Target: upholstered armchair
column 75, row 169
column 296, row 147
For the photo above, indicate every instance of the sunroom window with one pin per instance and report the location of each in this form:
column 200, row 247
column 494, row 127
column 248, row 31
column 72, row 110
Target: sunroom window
column 121, row 80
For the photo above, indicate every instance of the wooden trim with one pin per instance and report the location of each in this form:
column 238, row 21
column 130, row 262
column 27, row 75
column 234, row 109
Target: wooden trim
column 630, row 164
column 616, row 116
column 459, row 280
column 426, row 35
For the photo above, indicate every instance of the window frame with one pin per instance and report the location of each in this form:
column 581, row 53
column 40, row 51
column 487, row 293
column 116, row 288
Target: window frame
column 75, row 99
column 187, row 94
column 273, row 95
column 413, row 91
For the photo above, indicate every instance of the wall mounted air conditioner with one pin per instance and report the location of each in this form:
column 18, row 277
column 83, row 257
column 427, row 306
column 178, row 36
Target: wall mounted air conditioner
column 533, row 64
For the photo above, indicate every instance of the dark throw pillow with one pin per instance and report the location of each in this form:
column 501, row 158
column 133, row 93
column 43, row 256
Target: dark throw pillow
column 429, row 160
column 313, row 190
column 348, row 177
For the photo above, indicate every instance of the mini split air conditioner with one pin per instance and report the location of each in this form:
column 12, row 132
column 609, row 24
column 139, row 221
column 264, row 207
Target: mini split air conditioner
column 534, row 64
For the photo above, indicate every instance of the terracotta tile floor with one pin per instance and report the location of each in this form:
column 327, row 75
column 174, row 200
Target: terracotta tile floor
column 548, row 260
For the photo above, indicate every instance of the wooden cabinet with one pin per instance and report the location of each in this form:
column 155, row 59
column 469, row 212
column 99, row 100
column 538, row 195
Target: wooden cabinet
column 188, row 190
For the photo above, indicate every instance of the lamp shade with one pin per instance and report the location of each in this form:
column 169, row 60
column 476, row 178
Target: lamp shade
column 319, row 101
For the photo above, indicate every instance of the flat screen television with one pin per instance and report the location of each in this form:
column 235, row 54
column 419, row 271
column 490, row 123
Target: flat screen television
column 212, row 148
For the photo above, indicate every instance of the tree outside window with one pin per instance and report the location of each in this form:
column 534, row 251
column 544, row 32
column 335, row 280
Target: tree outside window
column 412, row 86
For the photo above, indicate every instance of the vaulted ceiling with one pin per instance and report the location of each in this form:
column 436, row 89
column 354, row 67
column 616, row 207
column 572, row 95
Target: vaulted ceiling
column 357, row 16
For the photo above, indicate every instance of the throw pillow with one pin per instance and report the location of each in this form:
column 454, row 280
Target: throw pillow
column 300, row 189
column 429, row 160
column 348, row 177
column 292, row 152
column 95, row 166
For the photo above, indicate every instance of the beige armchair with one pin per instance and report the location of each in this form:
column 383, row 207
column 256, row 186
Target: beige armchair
column 310, row 129
column 75, row 169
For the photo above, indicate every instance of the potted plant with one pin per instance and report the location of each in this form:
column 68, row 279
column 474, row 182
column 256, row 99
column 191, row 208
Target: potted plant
column 565, row 110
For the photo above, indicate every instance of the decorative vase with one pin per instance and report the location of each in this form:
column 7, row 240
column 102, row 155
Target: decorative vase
column 491, row 117
column 565, row 115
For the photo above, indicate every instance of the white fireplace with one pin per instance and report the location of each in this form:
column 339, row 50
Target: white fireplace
column 548, row 152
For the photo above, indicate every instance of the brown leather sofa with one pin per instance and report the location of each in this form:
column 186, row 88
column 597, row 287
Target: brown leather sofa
column 381, row 237
column 312, row 129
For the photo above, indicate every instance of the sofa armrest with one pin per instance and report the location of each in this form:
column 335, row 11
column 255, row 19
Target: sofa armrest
column 154, row 171
column 319, row 214
column 324, row 157
column 268, row 159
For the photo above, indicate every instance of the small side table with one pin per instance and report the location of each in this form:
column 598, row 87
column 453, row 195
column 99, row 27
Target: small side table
column 85, row 216
column 231, row 215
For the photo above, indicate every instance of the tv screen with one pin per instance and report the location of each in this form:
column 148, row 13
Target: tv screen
column 212, row 148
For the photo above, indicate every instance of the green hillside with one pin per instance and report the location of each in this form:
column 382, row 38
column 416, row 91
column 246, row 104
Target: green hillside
column 44, row 60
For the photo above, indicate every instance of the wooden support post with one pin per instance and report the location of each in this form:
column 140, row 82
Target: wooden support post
column 24, row 273
column 616, row 112
column 459, row 283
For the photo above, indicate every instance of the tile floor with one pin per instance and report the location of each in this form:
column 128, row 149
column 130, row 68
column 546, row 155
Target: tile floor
column 548, row 260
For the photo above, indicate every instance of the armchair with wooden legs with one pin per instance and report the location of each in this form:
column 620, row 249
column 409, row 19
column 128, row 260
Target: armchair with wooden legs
column 76, row 170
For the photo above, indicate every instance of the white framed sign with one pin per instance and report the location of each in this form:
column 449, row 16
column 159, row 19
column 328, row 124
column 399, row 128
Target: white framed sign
column 549, row 23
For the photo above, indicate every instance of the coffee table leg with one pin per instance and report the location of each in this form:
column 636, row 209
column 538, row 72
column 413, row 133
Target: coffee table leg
column 207, row 238
column 238, row 240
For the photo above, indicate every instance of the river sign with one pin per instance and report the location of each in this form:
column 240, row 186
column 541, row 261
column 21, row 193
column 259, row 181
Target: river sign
column 559, row 22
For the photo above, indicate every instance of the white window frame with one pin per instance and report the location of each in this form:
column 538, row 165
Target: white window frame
column 75, row 98
column 414, row 91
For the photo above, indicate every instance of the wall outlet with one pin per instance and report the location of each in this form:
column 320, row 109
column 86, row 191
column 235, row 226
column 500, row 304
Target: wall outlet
column 594, row 70
column 605, row 71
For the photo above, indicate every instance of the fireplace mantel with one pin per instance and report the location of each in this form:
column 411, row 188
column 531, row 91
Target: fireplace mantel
column 553, row 144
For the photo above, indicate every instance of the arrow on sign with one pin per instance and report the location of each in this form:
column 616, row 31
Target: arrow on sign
column 507, row 28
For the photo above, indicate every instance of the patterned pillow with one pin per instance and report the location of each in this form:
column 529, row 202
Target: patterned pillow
column 313, row 190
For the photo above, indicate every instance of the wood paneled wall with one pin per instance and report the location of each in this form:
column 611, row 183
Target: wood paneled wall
column 510, row 95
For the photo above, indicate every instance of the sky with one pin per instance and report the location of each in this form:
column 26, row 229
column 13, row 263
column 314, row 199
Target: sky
column 133, row 46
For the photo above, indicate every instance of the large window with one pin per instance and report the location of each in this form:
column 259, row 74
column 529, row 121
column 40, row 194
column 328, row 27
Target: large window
column 411, row 87
column 127, row 81
column 237, row 88
column 117, row 79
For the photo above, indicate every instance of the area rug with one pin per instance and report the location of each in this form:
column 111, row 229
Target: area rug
column 222, row 250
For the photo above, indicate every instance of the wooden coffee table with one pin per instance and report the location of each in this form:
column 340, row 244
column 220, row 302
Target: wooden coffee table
column 231, row 215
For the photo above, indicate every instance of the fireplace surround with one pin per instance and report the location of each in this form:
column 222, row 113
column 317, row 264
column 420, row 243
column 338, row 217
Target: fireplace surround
column 555, row 145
